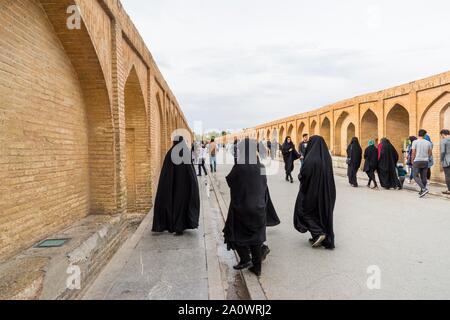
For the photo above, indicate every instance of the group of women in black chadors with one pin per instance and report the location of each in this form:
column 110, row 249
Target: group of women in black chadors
column 382, row 159
column 251, row 211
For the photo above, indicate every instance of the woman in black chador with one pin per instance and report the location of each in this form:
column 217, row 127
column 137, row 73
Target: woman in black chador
column 177, row 203
column 317, row 196
column 387, row 165
column 371, row 163
column 289, row 156
column 251, row 209
column 354, row 159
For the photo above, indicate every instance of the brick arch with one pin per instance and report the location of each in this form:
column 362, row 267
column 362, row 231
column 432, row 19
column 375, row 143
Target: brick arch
column 369, row 127
column 313, row 128
column 138, row 167
column 341, row 133
column 58, row 129
column 268, row 135
column 438, row 112
column 290, row 132
column 397, row 127
column 325, row 131
column 281, row 135
column 300, row 131
column 81, row 51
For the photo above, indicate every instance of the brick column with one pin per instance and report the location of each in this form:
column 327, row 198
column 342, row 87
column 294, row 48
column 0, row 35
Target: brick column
column 118, row 108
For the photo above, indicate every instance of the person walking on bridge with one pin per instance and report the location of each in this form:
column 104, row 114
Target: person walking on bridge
column 290, row 155
column 251, row 210
column 371, row 163
column 445, row 157
column 317, row 196
column 387, row 165
column 422, row 151
column 354, row 159
column 177, row 202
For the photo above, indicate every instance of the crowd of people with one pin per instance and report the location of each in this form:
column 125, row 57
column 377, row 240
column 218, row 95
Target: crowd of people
column 385, row 160
column 251, row 210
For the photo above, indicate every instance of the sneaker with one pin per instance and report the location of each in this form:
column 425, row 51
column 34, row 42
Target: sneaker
column 424, row 193
column 319, row 241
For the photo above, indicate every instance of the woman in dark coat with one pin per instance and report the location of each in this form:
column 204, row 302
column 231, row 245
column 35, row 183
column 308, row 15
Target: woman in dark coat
column 371, row 163
column 177, row 202
column 290, row 155
column 387, row 165
column 317, row 196
column 354, row 159
column 251, row 210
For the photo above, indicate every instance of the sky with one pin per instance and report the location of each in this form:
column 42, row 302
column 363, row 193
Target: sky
column 234, row 64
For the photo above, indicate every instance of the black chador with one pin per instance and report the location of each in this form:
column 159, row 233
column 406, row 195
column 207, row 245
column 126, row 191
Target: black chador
column 387, row 165
column 354, row 159
column 317, row 196
column 177, row 203
column 251, row 209
column 371, row 163
column 289, row 157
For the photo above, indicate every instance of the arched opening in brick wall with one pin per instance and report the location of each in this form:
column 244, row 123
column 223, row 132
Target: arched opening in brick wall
column 281, row 135
column 369, row 127
column 397, row 128
column 438, row 112
column 351, row 133
column 300, row 132
column 138, row 169
column 290, row 132
column 275, row 135
column 340, row 139
column 56, row 130
column 325, row 131
column 268, row 136
column 313, row 128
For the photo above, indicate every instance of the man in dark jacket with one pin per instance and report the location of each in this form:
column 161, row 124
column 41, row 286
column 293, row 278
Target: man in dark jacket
column 302, row 148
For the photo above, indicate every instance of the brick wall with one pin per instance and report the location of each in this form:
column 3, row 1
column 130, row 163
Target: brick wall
column 81, row 126
column 44, row 158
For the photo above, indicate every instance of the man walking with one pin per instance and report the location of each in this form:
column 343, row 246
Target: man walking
column 445, row 157
column 213, row 156
column 302, row 148
column 422, row 150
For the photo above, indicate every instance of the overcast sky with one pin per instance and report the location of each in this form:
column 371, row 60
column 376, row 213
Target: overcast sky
column 237, row 63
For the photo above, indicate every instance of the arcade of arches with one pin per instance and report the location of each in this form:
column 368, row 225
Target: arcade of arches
column 395, row 113
column 86, row 118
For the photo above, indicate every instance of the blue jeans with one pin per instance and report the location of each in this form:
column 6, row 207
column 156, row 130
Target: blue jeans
column 213, row 163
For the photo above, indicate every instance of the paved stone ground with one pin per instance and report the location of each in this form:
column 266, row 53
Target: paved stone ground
column 404, row 236
column 151, row 266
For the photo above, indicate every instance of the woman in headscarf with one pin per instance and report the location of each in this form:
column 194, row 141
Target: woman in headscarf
column 387, row 165
column 317, row 196
column 290, row 155
column 371, row 163
column 177, row 202
column 251, row 210
column 354, row 158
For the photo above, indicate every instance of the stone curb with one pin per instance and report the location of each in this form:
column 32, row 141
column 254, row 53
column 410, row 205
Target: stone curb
column 252, row 282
